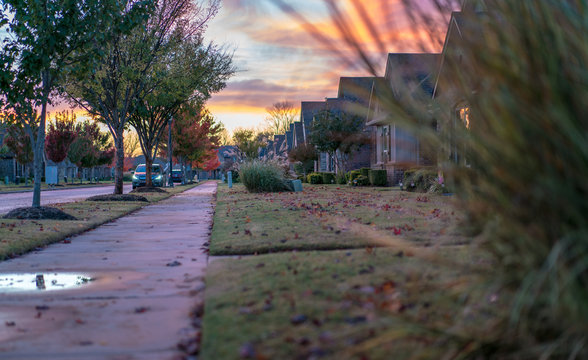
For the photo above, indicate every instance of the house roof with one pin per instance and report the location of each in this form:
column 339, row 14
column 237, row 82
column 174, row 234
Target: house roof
column 463, row 32
column 356, row 89
column 308, row 110
column 290, row 137
column 412, row 72
column 227, row 151
column 408, row 76
column 298, row 133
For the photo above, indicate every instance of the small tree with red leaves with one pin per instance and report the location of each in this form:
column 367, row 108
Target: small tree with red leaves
column 195, row 136
column 60, row 135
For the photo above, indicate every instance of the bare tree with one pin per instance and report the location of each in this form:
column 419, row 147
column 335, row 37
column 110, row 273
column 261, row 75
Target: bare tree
column 281, row 115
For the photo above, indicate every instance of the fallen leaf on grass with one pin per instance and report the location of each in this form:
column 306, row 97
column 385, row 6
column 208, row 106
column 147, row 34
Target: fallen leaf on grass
column 298, row 319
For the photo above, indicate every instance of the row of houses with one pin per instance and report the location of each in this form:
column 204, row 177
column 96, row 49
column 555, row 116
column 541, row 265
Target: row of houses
column 414, row 80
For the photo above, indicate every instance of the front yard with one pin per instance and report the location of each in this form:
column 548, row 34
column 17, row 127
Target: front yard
column 393, row 278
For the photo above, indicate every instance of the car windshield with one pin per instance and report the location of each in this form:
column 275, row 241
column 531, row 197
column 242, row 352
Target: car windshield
column 155, row 169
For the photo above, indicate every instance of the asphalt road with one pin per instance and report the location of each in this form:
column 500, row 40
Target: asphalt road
column 16, row 200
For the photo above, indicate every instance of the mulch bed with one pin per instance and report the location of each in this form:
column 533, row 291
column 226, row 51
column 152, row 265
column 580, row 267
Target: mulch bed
column 38, row 213
column 148, row 190
column 118, row 197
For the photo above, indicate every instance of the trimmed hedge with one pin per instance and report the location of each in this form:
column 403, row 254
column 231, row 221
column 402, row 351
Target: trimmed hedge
column 378, row 177
column 315, row 178
column 365, row 171
column 328, row 178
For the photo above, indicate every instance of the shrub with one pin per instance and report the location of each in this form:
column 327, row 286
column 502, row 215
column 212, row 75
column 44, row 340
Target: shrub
column 341, row 179
column 127, row 176
column 236, row 177
column 328, row 178
column 352, row 175
column 365, row 171
column 258, row 176
column 378, row 177
column 361, row 181
column 315, row 178
column 420, row 180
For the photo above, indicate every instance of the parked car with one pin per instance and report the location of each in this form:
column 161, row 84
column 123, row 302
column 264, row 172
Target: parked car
column 139, row 177
column 177, row 176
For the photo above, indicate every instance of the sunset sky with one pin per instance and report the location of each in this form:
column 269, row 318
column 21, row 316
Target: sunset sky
column 278, row 59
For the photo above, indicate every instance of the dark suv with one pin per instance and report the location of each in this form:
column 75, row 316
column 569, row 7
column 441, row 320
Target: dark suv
column 140, row 174
column 177, row 176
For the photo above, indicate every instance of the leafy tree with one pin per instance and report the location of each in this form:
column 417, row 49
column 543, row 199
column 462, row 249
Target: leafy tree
column 186, row 71
column 18, row 141
column 131, row 144
column 48, row 38
column 304, row 154
column 281, row 115
column 91, row 148
column 225, row 137
column 60, row 135
column 210, row 162
column 195, row 135
column 338, row 134
column 122, row 78
column 248, row 142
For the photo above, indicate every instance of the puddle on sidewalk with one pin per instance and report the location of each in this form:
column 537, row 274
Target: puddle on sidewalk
column 39, row 282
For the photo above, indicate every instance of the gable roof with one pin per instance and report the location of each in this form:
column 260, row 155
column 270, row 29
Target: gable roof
column 356, row 89
column 298, row 133
column 290, row 138
column 308, row 110
column 412, row 72
column 462, row 32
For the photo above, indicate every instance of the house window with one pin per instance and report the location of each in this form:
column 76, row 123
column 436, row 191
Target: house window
column 385, row 143
column 464, row 115
column 462, row 121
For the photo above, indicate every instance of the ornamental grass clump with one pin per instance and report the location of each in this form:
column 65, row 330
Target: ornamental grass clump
column 259, row 176
column 505, row 112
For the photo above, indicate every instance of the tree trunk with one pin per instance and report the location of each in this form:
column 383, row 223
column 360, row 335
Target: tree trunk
column 148, row 166
column 183, row 171
column 120, row 161
column 40, row 145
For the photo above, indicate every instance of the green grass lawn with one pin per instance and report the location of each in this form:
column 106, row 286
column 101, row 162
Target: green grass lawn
column 343, row 304
column 326, row 217
column 20, row 236
column 395, row 277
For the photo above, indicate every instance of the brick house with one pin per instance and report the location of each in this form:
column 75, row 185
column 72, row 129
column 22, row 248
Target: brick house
column 409, row 80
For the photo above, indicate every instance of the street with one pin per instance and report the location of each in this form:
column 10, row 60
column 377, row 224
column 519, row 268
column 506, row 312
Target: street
column 16, row 200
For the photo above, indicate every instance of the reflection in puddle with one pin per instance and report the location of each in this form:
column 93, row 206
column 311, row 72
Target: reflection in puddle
column 41, row 282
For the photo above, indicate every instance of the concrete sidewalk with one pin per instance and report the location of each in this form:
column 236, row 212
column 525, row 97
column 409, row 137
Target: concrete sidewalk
column 149, row 271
